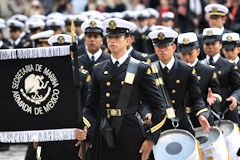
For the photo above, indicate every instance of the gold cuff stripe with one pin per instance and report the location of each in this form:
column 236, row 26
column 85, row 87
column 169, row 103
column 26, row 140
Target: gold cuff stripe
column 218, row 96
column 159, row 125
column 86, row 122
column 202, row 110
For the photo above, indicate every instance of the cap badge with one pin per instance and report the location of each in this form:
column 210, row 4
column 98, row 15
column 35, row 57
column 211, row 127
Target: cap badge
column 161, row 36
column 77, row 20
column 126, row 15
column 229, row 38
column 209, row 33
column 60, row 40
column 214, row 9
column 92, row 24
column 12, row 25
column 112, row 25
column 53, row 23
column 30, row 26
column 185, row 41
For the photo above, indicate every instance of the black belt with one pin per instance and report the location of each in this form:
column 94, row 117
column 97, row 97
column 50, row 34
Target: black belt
column 120, row 112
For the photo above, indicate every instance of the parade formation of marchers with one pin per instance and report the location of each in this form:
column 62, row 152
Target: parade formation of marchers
column 118, row 86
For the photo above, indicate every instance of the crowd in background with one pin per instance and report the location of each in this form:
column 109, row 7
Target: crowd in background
column 189, row 14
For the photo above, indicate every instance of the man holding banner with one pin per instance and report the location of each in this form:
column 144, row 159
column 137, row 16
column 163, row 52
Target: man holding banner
column 38, row 91
column 113, row 103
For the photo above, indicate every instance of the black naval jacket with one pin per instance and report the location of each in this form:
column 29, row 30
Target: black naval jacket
column 228, row 76
column 104, row 93
column 25, row 42
column 202, row 54
column 85, row 63
column 3, row 45
column 142, row 42
column 181, row 80
column 140, row 56
column 207, row 79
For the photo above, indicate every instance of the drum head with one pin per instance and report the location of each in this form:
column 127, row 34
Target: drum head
column 226, row 127
column 174, row 144
column 206, row 139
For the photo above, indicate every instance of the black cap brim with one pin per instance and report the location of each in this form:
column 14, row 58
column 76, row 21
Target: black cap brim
column 14, row 29
column 210, row 40
column 94, row 30
column 117, row 31
column 164, row 42
column 167, row 19
column 229, row 46
column 188, row 47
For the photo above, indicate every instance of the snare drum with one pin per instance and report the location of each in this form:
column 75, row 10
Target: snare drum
column 231, row 136
column 176, row 144
column 212, row 144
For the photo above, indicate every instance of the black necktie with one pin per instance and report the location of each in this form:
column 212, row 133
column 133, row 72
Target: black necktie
column 93, row 60
column 115, row 66
column 166, row 70
column 211, row 61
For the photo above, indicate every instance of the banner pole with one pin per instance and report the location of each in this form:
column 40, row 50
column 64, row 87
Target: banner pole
column 78, row 85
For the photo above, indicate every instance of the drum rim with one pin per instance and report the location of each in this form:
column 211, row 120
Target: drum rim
column 212, row 127
column 184, row 132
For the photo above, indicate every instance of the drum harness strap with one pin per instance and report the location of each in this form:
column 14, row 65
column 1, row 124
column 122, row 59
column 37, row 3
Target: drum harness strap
column 220, row 115
column 163, row 90
column 110, row 133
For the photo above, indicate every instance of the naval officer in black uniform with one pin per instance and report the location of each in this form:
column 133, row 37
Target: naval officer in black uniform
column 93, row 39
column 109, row 79
column 231, row 47
column 179, row 79
column 209, row 85
column 216, row 19
column 19, row 38
column 227, row 72
column 64, row 150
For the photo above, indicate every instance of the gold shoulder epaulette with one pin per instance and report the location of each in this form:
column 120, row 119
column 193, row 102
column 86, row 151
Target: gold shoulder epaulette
column 211, row 66
column 148, row 61
column 149, row 71
column 144, row 54
column 26, row 44
column 214, row 75
column 96, row 64
column 88, row 78
column 105, row 50
column 84, row 71
column 193, row 71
